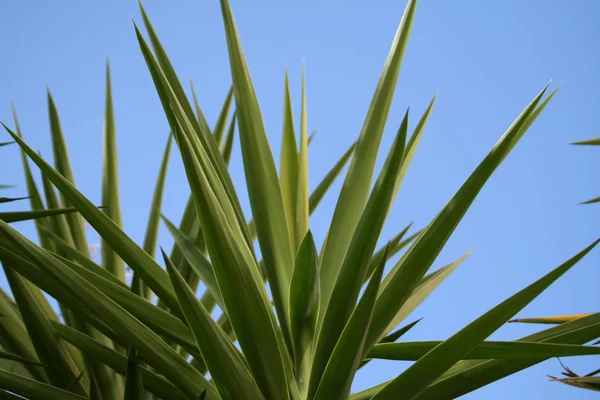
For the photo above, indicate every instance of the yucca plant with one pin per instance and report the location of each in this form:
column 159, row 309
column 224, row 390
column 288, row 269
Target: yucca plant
column 296, row 322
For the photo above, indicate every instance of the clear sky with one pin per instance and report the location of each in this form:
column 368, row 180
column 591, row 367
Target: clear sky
column 487, row 59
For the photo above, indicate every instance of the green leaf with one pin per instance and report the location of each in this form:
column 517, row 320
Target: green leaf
column 160, row 321
column 17, row 216
column 110, row 183
column 128, row 250
column 288, row 179
column 302, row 199
column 80, row 258
column 178, row 111
column 241, row 287
column 432, row 365
column 35, row 199
column 227, row 369
column 95, row 393
column 134, row 386
column 590, row 142
column 60, row 367
column 203, row 125
column 170, row 88
column 228, row 145
column 167, row 67
column 392, row 337
column 354, row 269
column 2, row 144
column 411, row 148
column 311, row 137
column 467, row 376
column 33, row 389
column 412, row 351
column 428, row 284
column 317, row 194
column 355, row 190
column 153, row 382
column 14, row 357
column 153, row 349
column 151, row 237
column 63, row 166
column 592, row 201
column 10, row 199
column 304, row 306
column 14, row 336
column 407, row 273
column 393, row 246
column 196, row 260
column 220, row 125
column 264, row 191
column 323, row 186
column 344, row 361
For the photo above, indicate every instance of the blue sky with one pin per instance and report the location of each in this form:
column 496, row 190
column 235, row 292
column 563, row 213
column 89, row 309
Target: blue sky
column 486, row 59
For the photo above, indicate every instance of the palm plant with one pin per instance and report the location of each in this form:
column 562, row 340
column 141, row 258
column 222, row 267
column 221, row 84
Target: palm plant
column 325, row 314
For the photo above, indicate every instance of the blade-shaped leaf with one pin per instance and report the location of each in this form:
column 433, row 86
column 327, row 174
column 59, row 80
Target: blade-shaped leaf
column 196, row 260
column 392, row 337
column 244, row 295
column 81, row 259
column 467, row 376
column 128, row 250
column 203, row 125
column 393, row 246
column 228, row 144
column 33, row 389
column 558, row 319
column 288, row 178
column 432, row 365
column 151, row 237
column 154, row 350
column 304, row 306
column 110, row 183
column 407, row 273
column 582, row 382
column 220, row 125
column 592, row 201
column 355, row 189
column 412, row 351
column 17, row 216
column 134, row 386
column 227, row 369
column 63, row 166
column 178, row 111
column 153, row 382
column 35, row 199
column 14, row 357
column 60, row 367
column 11, row 199
column 344, row 361
column 317, row 194
column 411, row 148
column 352, row 273
column 261, row 178
column 302, row 199
column 428, row 284
column 590, row 142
